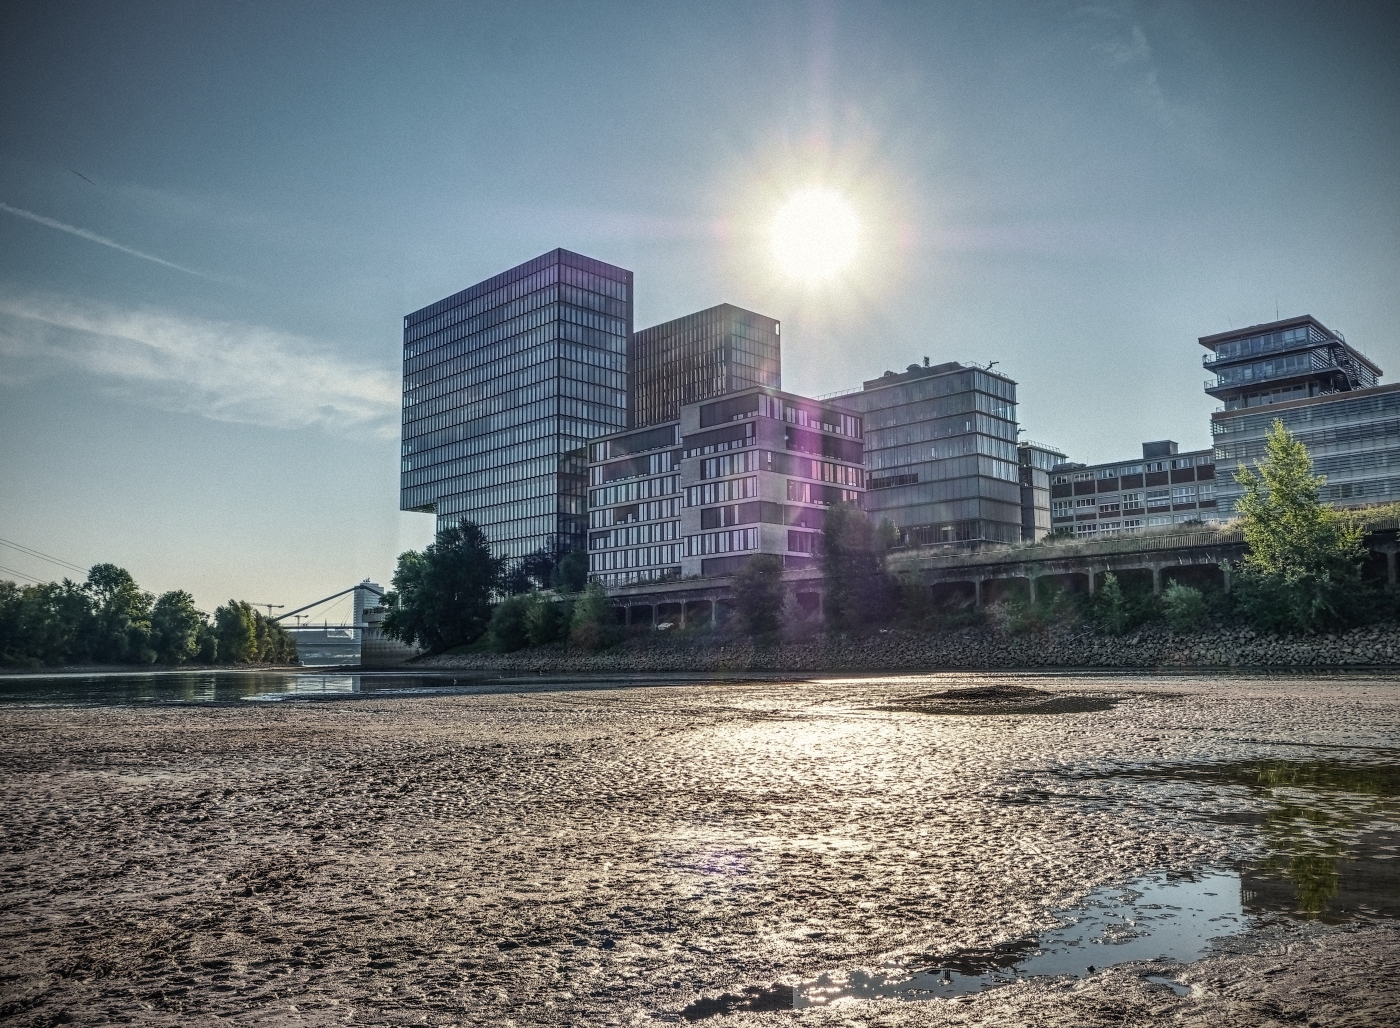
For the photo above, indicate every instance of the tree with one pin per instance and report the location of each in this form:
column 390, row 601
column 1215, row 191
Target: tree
column 594, row 625
column 571, row 573
column 236, row 628
column 758, row 593
column 1184, row 606
column 122, row 628
column 548, row 619
column 858, row 589
column 442, row 596
column 1302, row 571
column 507, row 628
column 177, row 627
column 1113, row 612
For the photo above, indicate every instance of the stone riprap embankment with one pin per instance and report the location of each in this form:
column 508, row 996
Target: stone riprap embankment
column 1152, row 646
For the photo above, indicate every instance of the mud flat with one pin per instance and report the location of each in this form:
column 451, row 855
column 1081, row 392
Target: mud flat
column 834, row 851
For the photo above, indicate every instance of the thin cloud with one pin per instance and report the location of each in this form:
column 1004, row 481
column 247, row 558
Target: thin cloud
column 83, row 233
column 223, row 371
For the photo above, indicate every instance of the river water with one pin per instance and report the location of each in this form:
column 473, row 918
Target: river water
column 478, row 849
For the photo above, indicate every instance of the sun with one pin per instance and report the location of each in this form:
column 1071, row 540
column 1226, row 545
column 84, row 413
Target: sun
column 815, row 234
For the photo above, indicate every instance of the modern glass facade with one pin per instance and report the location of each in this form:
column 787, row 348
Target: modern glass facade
column 940, row 453
column 1163, row 488
column 634, row 506
column 1353, row 437
column 504, row 385
column 1036, row 460
column 701, row 356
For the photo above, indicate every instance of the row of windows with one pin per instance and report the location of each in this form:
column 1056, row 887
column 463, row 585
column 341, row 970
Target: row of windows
column 617, row 578
column 465, row 478
column 503, row 296
column 635, row 535
column 810, row 492
column 1111, row 503
column 634, row 467
column 730, row 464
column 645, row 556
column 456, row 441
column 958, row 446
column 803, row 542
column 420, row 469
column 1267, row 343
column 936, row 387
column 628, row 492
column 652, row 510
column 1345, row 434
column 467, row 387
column 734, row 541
column 1292, row 364
column 929, row 429
column 1340, row 411
column 469, row 346
column 1118, row 471
column 722, row 492
column 942, row 491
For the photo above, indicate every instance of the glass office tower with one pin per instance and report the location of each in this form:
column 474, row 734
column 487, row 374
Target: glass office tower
column 940, row 453
column 699, row 357
column 504, row 384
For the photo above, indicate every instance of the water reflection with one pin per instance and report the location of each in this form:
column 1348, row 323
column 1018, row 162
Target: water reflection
column 1155, row 918
column 196, row 687
column 1330, row 828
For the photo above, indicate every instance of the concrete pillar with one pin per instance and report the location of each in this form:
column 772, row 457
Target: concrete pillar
column 977, row 593
column 1225, row 571
column 1156, row 580
column 1031, row 580
column 1092, row 574
column 1390, row 569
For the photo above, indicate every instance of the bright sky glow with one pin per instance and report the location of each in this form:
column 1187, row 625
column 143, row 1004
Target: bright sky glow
column 815, row 234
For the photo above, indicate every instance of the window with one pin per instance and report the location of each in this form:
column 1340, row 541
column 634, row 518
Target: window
column 1062, row 508
column 1103, row 473
column 1184, row 494
column 1206, row 491
column 1158, row 497
column 802, row 542
column 1087, row 528
column 1159, row 519
column 1132, row 501
column 1086, row 501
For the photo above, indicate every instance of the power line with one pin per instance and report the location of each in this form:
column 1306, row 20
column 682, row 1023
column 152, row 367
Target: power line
column 43, row 556
column 21, row 574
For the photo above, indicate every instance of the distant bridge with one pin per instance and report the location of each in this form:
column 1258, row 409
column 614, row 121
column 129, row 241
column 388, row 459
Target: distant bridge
column 361, row 640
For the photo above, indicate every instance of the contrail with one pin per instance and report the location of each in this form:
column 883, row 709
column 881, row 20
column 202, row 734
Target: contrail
column 83, row 177
column 83, row 233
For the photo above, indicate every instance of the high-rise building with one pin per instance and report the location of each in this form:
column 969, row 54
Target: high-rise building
column 1325, row 392
column 751, row 472
column 504, row 385
column 1164, row 488
column 710, row 353
column 940, row 450
column 1036, row 460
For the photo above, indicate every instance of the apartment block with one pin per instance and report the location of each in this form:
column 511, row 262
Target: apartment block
column 1036, row 461
column 751, row 472
column 1164, row 488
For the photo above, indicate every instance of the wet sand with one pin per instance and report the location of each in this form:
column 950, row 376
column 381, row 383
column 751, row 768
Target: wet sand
column 610, row 857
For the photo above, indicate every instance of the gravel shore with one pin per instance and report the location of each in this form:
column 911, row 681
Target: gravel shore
column 610, row 856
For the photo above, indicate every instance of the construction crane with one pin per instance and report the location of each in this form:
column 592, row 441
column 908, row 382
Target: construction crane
column 270, row 607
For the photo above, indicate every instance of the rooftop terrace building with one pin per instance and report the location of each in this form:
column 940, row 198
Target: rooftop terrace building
column 1325, row 392
column 1036, row 461
column 940, row 449
column 504, row 385
column 701, row 356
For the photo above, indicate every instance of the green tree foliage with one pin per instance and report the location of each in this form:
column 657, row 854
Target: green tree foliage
column 1303, row 568
column 548, row 619
column 758, row 594
column 1113, row 612
column 245, row 636
column 507, row 629
column 594, row 625
column 858, row 588
column 442, row 596
column 108, row 619
column 1184, row 606
column 122, row 616
column 177, row 628
column 570, row 575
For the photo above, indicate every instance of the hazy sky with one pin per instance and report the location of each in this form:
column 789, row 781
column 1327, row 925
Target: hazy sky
column 216, row 215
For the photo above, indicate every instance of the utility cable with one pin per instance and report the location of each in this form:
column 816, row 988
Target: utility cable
column 21, row 574
column 43, row 556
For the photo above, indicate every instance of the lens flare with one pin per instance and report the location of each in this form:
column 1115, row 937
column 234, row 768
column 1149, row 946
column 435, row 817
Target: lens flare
column 815, row 234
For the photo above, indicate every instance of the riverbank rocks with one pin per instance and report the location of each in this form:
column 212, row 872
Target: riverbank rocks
column 1148, row 647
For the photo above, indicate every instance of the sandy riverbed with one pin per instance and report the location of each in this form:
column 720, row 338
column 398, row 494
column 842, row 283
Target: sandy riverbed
column 609, row 857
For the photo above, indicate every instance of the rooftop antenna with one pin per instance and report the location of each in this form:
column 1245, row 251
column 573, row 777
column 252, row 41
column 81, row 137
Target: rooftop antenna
column 925, row 362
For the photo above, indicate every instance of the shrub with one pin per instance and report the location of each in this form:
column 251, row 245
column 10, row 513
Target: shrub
column 594, row 625
column 758, row 594
column 547, row 619
column 507, row 630
column 1184, row 606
